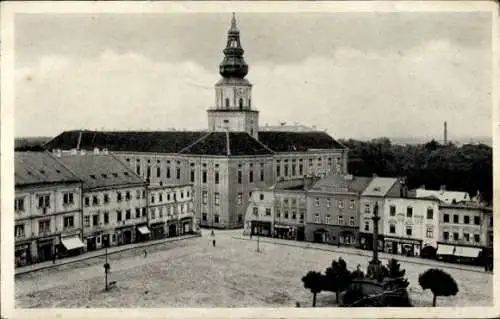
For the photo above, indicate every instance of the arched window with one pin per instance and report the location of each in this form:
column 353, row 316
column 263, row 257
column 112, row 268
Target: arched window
column 227, row 103
column 241, row 103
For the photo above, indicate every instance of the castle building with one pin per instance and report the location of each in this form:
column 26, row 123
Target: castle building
column 226, row 162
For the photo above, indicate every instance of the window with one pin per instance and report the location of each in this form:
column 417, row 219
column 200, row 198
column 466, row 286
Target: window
column 285, row 169
column 168, row 171
column 68, row 199
column 240, row 218
column 268, row 211
column 43, row 201
column 446, row 235
column 192, row 176
column 310, row 162
column 466, row 237
column 351, row 221
column 44, row 226
column 144, row 212
column 294, row 212
column 95, row 220
column 178, row 173
column 316, row 218
column 204, row 177
column 148, row 172
column 217, row 198
column 119, row 196
column 293, row 170
column 19, row 230
column 351, row 204
column 341, row 220
column 204, row 197
column 367, row 208
column 328, row 220
column 239, row 177
column 239, row 199
column 285, row 211
column 216, row 177
column 153, row 213
column 477, row 220
column 261, row 172
column 392, row 210
column 240, row 103
column 227, row 103
column 86, row 220
column 278, row 211
column 341, row 203
column 455, row 219
column 160, row 197
column 455, row 236
column 137, row 212
column 430, row 213
column 106, row 198
column 261, row 196
column 278, row 170
column 158, row 171
column 367, row 226
column 95, row 200
column 127, row 214
column 144, row 194
column 392, row 228
column 19, row 204
column 69, row 222
column 138, row 169
column 328, row 203
column 301, row 216
column 446, row 218
column 204, row 217
column 152, row 198
column 466, row 219
column 118, row 215
column 409, row 212
column 250, row 175
column 408, row 231
column 477, row 238
column 317, row 202
column 216, row 219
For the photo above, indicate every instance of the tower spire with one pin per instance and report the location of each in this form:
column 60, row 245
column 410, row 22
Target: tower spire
column 233, row 65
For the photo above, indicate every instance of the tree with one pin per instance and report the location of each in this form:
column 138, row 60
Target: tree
column 338, row 277
column 439, row 282
column 314, row 281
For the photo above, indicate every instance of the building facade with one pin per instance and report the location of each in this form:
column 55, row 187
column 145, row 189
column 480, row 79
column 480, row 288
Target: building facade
column 228, row 160
column 171, row 210
column 114, row 199
column 410, row 224
column 333, row 210
column 47, row 208
column 464, row 230
column 375, row 194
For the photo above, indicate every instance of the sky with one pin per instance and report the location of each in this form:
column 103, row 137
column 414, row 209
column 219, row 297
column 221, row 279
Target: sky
column 357, row 75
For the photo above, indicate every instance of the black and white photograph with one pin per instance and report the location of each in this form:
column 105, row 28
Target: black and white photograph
column 228, row 156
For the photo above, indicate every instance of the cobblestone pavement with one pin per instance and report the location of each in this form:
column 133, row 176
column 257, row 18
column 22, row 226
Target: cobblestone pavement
column 192, row 273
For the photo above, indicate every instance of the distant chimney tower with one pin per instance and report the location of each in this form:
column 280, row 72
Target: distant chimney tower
column 445, row 133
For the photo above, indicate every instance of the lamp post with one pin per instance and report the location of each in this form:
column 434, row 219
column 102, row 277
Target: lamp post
column 106, row 269
column 374, row 264
column 258, row 231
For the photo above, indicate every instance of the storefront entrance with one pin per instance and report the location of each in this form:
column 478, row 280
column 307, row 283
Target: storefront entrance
column 45, row 250
column 91, row 243
column 320, row 236
column 172, row 230
column 158, row 231
column 127, row 237
column 23, row 255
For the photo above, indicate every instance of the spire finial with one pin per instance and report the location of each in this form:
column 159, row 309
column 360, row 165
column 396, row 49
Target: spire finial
column 233, row 22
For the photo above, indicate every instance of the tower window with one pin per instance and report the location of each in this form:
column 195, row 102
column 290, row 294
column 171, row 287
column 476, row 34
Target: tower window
column 241, row 103
column 227, row 103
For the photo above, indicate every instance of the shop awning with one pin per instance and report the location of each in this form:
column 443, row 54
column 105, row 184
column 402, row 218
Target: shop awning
column 72, row 242
column 445, row 250
column 471, row 252
column 143, row 230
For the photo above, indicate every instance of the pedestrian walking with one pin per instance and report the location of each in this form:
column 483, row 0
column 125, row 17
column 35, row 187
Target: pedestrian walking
column 213, row 242
column 212, row 233
column 145, row 253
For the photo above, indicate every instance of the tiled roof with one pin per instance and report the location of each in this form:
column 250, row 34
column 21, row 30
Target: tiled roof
column 332, row 183
column 39, row 168
column 379, row 186
column 100, row 170
column 159, row 142
column 443, row 195
column 298, row 141
column 226, row 143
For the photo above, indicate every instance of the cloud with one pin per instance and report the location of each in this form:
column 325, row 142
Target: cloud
column 352, row 93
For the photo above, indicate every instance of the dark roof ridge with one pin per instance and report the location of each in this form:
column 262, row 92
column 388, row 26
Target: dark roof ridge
column 195, row 142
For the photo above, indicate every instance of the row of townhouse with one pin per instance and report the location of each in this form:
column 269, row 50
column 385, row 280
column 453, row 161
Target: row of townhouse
column 338, row 210
column 70, row 202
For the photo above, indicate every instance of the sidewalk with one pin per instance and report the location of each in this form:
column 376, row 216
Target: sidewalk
column 359, row 252
column 97, row 253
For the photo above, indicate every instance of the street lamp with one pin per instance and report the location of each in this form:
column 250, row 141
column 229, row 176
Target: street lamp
column 258, row 230
column 374, row 265
column 107, row 267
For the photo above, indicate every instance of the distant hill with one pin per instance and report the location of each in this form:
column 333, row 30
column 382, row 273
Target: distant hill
column 30, row 143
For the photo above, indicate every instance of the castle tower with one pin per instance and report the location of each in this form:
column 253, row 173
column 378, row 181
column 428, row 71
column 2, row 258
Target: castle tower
column 233, row 93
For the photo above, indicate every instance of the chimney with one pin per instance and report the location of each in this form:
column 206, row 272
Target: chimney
column 442, row 188
column 445, row 133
